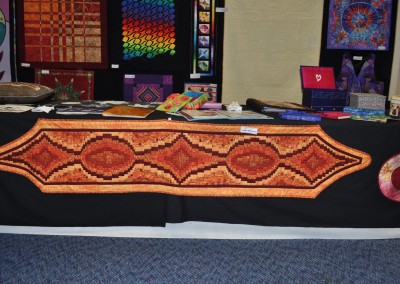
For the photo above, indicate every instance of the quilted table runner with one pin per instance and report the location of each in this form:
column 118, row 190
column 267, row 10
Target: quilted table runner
column 180, row 158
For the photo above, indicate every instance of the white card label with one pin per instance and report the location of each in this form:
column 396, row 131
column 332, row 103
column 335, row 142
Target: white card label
column 249, row 130
column 221, row 9
column 195, row 76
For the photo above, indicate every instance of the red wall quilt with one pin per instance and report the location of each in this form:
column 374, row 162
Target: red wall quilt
column 66, row 33
column 67, row 84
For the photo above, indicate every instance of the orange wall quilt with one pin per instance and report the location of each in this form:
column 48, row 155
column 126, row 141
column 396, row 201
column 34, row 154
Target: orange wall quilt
column 63, row 33
column 180, row 158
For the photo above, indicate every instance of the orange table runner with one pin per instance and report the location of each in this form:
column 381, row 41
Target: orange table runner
column 180, row 158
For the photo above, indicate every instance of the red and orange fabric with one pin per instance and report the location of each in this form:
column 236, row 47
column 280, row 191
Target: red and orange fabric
column 71, row 34
column 180, row 158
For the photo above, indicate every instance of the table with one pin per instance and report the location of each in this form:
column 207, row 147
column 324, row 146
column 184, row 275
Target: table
column 353, row 200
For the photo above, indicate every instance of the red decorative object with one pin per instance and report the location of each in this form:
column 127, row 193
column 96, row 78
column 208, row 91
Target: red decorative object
column 67, row 84
column 181, row 158
column 389, row 178
column 314, row 77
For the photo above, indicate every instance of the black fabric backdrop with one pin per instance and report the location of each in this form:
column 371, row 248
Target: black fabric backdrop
column 383, row 60
column 353, row 201
column 109, row 82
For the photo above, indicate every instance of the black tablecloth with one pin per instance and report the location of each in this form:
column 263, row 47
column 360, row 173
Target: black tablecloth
column 353, row 201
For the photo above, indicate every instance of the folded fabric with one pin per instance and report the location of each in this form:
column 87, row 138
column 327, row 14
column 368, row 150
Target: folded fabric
column 176, row 101
column 365, row 81
column 197, row 100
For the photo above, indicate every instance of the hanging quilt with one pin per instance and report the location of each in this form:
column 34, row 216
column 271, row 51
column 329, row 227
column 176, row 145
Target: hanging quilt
column 148, row 28
column 204, row 37
column 5, row 67
column 67, row 33
column 67, row 84
column 152, row 36
column 147, row 87
column 359, row 25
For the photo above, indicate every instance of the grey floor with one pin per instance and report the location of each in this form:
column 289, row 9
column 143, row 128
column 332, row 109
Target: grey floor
column 212, row 231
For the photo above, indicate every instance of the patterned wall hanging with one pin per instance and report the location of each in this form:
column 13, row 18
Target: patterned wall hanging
column 359, row 25
column 62, row 33
column 147, row 88
column 151, row 36
column 67, row 84
column 203, row 37
column 210, row 89
column 148, row 28
column 5, row 67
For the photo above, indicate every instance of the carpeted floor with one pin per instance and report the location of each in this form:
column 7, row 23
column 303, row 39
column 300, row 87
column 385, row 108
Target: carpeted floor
column 72, row 259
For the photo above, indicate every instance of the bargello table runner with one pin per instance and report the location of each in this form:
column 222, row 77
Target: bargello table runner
column 179, row 158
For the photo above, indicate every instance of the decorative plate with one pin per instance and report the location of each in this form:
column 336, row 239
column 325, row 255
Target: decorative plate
column 389, row 178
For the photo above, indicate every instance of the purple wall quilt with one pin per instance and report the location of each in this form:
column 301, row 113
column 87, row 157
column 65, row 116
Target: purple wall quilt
column 5, row 67
column 359, row 25
column 147, row 88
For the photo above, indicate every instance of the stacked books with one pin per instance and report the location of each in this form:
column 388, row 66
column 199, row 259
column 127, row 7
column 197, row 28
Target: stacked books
column 334, row 114
column 193, row 115
column 376, row 115
column 127, row 111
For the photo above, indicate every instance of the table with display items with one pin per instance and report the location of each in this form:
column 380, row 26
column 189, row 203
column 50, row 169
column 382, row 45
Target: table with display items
column 55, row 170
